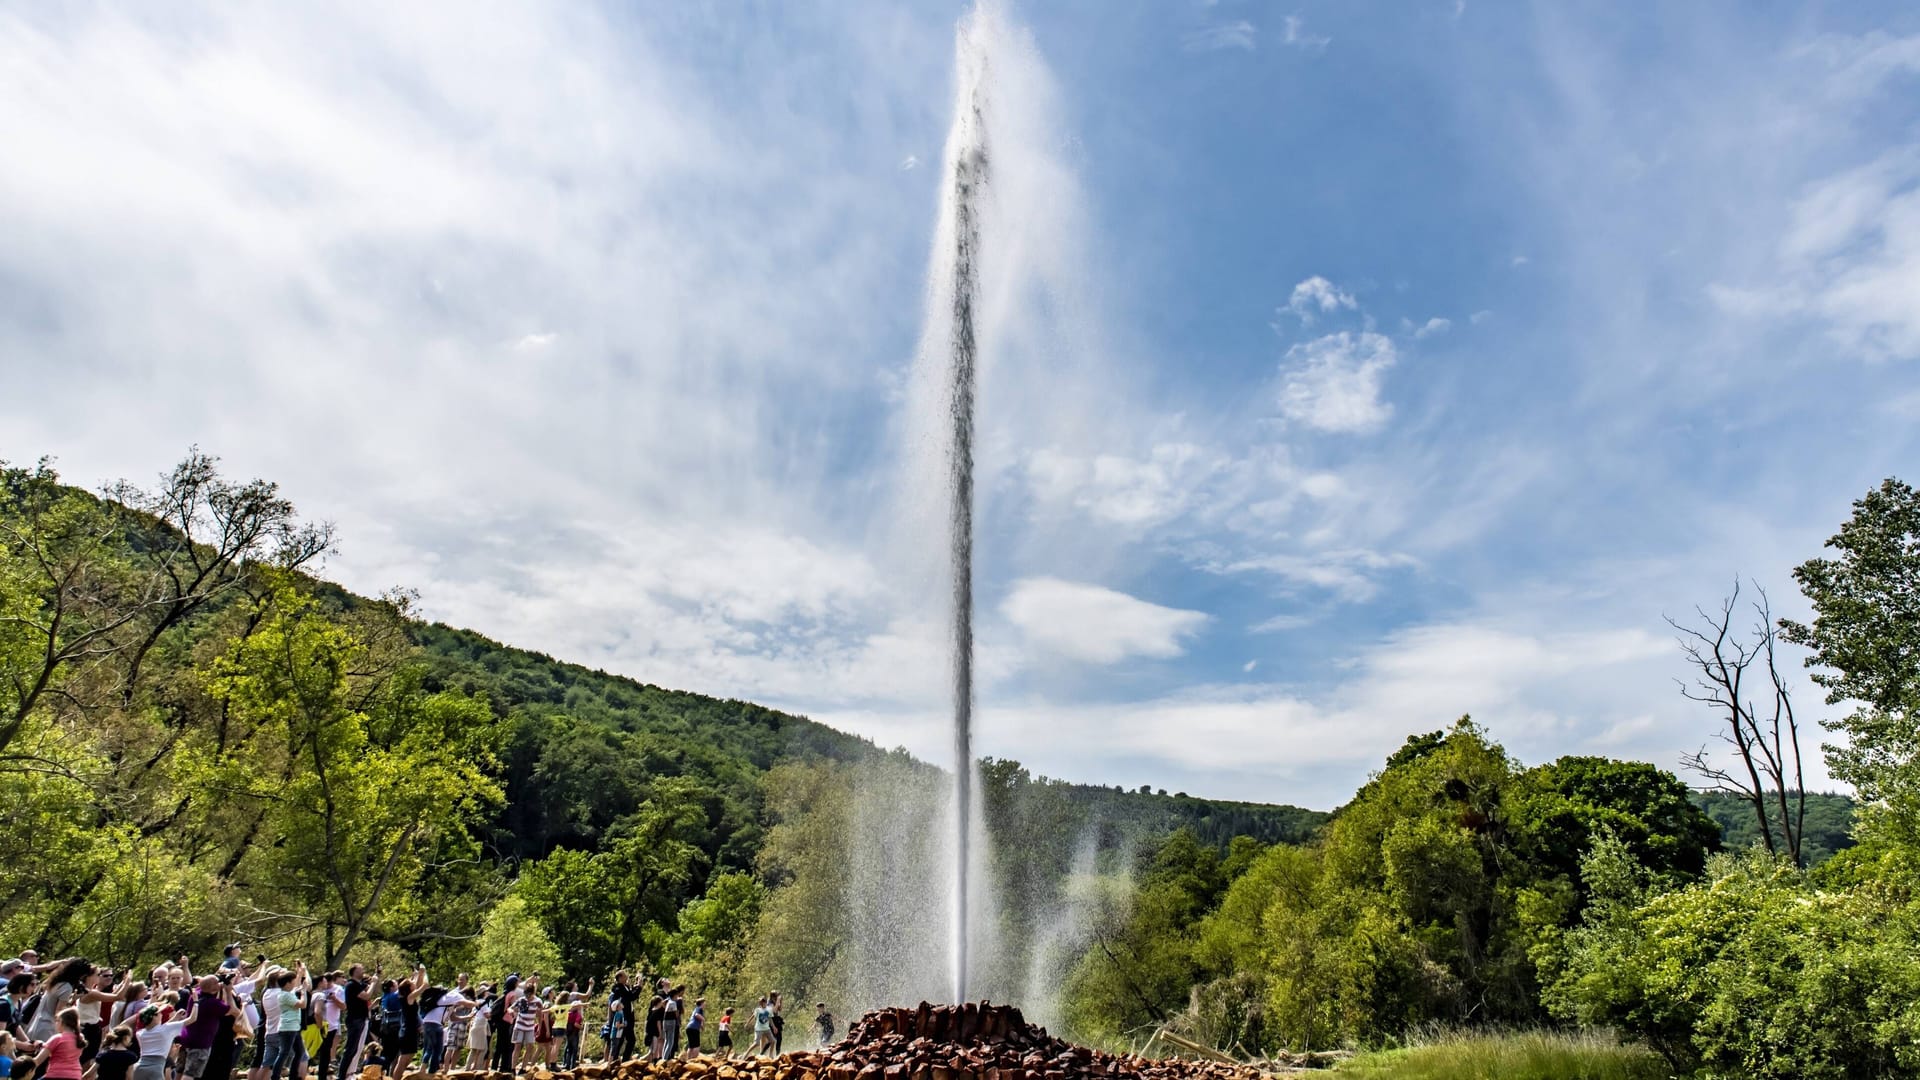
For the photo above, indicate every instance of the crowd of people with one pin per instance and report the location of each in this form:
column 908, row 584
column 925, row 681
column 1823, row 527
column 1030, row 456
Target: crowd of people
column 72, row 1020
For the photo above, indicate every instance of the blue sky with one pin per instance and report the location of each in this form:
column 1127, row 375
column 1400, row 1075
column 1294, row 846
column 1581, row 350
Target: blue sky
column 1350, row 367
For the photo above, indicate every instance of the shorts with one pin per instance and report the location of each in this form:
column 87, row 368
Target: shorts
column 724, row 1042
column 194, row 1061
column 693, row 1038
column 523, row 1036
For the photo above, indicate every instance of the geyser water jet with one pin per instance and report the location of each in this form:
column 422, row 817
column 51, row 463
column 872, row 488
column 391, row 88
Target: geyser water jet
column 967, row 177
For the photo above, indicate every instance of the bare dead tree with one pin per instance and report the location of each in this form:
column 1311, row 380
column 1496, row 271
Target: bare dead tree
column 1765, row 738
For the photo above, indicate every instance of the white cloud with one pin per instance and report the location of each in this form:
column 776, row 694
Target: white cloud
column 1850, row 258
column 221, row 211
column 1333, row 383
column 1249, row 666
column 1232, row 35
column 1124, row 490
column 1095, row 624
column 1433, row 327
column 909, row 163
column 1317, row 294
column 1352, row 575
column 1540, row 692
column 1297, row 35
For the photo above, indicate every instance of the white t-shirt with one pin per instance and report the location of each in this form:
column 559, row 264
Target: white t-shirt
column 244, row 991
column 157, row 1040
column 331, row 1004
column 438, row 1013
column 270, row 1005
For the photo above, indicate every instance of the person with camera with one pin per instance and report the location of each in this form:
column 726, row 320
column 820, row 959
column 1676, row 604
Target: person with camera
column 356, row 999
column 285, row 1003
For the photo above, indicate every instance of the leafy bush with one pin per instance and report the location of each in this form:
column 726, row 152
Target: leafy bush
column 1754, row 973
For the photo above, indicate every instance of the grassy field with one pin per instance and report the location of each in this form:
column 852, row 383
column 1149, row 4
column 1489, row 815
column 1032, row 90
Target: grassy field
column 1517, row 1056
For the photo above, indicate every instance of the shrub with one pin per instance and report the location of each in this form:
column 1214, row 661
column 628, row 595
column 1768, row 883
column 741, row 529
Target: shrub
column 1754, row 973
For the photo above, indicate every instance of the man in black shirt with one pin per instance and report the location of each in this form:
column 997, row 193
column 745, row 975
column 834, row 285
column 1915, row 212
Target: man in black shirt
column 359, row 992
column 625, row 994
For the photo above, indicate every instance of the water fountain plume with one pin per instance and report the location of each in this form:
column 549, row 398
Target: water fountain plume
column 967, row 164
column 1001, row 317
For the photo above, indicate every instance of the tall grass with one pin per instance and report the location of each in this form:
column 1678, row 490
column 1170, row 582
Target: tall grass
column 1527, row 1055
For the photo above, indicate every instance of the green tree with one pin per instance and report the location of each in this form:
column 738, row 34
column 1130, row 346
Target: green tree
column 1559, row 810
column 1865, row 633
column 1750, row 974
column 1865, row 637
column 513, row 941
column 609, row 908
column 376, row 772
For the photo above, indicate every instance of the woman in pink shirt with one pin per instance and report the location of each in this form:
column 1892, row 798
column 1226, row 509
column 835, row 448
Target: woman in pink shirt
column 59, row 1056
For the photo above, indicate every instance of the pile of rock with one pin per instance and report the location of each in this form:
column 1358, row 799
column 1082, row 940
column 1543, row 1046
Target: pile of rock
column 992, row 1042
column 932, row 1042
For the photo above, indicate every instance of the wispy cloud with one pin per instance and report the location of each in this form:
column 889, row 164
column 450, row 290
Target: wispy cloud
column 1317, row 295
column 1350, row 575
column 1239, row 34
column 1297, row 35
column 1850, row 258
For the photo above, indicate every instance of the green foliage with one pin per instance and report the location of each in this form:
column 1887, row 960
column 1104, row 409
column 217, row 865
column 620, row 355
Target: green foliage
column 374, row 772
column 602, row 908
column 1431, row 898
column 1753, row 973
column 513, row 942
column 1828, row 826
column 1561, row 807
column 1527, row 1055
column 1142, row 960
column 1865, row 633
column 804, row 916
column 1865, row 637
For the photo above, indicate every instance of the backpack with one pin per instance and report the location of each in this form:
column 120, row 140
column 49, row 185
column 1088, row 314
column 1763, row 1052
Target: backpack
column 26, row 1011
column 430, row 997
column 498, row 1014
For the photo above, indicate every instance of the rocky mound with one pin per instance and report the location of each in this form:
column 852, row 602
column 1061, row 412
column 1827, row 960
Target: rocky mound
column 989, row 1042
column 932, row 1042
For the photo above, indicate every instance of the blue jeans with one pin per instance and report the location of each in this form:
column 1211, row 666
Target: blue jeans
column 433, row 1044
column 283, row 1049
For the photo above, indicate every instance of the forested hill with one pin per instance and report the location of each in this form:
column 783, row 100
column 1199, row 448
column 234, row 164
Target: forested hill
column 588, row 743
column 314, row 768
column 1827, row 831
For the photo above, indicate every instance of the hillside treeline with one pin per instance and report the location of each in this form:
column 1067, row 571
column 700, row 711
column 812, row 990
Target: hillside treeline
column 205, row 742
